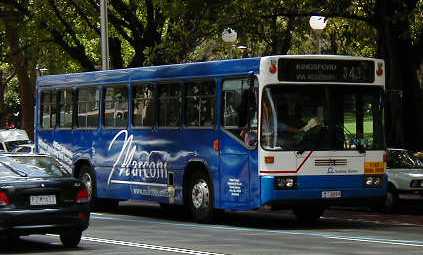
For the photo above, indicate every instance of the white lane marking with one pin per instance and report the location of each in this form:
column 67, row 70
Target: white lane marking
column 145, row 246
column 415, row 243
column 148, row 246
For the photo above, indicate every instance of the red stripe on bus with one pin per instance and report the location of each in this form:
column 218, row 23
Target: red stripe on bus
column 288, row 171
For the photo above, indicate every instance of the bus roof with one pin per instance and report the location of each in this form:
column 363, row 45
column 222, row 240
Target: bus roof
column 174, row 71
column 151, row 73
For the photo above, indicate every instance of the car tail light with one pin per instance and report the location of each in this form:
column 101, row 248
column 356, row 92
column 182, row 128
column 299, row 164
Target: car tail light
column 83, row 196
column 385, row 157
column 4, row 199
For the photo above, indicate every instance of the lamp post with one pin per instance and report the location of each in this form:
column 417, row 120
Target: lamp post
column 229, row 36
column 318, row 23
column 104, row 35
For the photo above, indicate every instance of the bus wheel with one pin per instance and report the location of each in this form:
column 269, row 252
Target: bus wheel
column 308, row 215
column 200, row 197
column 87, row 176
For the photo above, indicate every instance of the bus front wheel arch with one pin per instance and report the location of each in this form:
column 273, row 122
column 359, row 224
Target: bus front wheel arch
column 87, row 175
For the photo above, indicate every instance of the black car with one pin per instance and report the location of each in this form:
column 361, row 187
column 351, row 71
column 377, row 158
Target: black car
column 38, row 196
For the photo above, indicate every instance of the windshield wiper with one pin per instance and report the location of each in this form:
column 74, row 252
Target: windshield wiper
column 16, row 171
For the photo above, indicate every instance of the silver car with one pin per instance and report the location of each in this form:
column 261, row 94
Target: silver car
column 405, row 177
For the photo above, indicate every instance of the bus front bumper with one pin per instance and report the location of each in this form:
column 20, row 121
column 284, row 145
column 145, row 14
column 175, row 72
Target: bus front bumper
column 322, row 190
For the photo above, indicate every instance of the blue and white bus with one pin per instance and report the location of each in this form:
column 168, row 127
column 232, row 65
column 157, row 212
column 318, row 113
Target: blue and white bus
column 297, row 132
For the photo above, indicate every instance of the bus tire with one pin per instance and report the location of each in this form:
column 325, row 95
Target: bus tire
column 308, row 215
column 200, row 197
column 87, row 176
column 391, row 200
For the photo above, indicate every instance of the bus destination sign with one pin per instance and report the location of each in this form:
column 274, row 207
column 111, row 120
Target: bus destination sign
column 319, row 70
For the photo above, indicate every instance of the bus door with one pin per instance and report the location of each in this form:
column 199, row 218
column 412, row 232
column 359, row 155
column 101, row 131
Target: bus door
column 238, row 155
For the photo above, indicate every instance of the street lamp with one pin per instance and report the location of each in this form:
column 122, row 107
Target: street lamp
column 104, row 35
column 229, row 36
column 318, row 23
column 39, row 71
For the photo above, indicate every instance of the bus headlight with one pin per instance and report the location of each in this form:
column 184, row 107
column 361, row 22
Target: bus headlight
column 285, row 182
column 373, row 180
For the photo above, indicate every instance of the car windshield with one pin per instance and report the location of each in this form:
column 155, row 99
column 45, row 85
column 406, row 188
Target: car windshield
column 314, row 117
column 403, row 159
column 31, row 166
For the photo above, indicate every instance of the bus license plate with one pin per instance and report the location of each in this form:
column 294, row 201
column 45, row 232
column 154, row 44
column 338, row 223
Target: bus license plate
column 331, row 194
column 43, row 200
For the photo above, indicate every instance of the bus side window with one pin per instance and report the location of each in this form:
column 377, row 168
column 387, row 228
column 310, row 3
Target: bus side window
column 65, row 108
column 87, row 103
column 237, row 118
column 116, row 106
column 143, row 113
column 48, row 109
column 200, row 104
column 170, row 105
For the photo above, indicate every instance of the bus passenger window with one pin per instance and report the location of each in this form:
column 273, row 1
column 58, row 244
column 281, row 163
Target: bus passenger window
column 65, row 108
column 87, row 107
column 170, row 103
column 240, row 110
column 143, row 103
column 200, row 104
column 116, row 106
column 48, row 109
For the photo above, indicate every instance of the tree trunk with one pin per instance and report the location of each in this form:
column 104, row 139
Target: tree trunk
column 26, row 85
column 403, row 120
column 2, row 104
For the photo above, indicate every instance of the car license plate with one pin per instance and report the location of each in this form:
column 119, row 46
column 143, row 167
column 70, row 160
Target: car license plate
column 43, row 200
column 331, row 194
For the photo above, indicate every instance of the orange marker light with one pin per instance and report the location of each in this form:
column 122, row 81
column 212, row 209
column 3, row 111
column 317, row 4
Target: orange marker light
column 216, row 145
column 379, row 71
column 273, row 68
column 269, row 159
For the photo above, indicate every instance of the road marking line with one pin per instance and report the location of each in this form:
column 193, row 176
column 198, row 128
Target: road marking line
column 146, row 246
column 414, row 243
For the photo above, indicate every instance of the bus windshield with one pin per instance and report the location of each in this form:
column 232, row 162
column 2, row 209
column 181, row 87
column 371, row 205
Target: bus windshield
column 322, row 117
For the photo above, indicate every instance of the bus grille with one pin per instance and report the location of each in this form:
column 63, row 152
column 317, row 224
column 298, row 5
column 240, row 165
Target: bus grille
column 330, row 162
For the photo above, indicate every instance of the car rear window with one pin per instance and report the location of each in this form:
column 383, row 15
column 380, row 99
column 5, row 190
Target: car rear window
column 33, row 166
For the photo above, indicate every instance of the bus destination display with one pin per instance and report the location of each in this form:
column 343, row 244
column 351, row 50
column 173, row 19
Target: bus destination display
column 311, row 70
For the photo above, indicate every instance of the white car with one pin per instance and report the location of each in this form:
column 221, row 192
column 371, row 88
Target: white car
column 10, row 139
column 405, row 178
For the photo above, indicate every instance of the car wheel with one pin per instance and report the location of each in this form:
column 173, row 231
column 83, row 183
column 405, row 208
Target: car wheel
column 71, row 238
column 308, row 215
column 391, row 201
column 200, row 197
